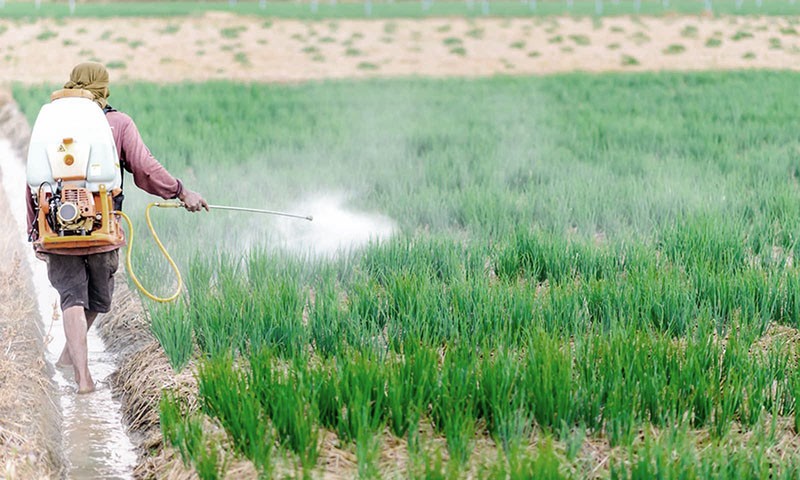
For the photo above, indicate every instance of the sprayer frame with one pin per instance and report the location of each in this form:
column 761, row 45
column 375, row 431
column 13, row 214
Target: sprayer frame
column 109, row 232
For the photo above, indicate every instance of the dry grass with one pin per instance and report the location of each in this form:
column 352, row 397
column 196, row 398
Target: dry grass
column 29, row 436
column 13, row 124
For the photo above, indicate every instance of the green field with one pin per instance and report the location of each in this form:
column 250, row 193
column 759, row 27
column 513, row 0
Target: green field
column 397, row 9
column 581, row 261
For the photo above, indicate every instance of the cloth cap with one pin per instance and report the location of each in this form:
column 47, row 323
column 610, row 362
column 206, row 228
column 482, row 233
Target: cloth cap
column 91, row 76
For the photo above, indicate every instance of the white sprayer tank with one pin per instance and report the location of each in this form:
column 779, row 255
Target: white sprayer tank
column 72, row 141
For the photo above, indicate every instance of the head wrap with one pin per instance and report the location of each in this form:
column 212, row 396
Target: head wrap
column 91, row 76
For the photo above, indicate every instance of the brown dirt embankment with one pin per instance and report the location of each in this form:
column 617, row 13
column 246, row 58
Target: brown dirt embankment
column 30, row 437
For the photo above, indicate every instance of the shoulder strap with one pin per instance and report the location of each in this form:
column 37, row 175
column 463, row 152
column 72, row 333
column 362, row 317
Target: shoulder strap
column 119, row 198
column 106, row 110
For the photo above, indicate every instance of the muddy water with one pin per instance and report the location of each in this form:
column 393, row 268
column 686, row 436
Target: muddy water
column 94, row 438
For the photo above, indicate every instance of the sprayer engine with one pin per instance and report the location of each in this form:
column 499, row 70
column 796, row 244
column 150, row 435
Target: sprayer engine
column 73, row 212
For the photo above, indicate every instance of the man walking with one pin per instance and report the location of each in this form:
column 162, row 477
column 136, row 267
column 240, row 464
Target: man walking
column 84, row 277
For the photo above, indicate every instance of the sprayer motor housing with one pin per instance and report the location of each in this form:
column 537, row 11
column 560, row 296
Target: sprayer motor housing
column 73, row 212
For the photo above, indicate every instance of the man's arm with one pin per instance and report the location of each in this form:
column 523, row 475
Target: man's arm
column 148, row 173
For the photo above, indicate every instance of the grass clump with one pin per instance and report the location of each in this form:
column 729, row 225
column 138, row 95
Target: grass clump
column 689, row 31
column 581, row 40
column 674, row 49
column 226, row 397
column 390, row 28
column 455, row 403
column 640, row 38
column 629, row 61
column 287, row 397
column 172, row 327
column 367, row 66
column 170, row 29
column 232, row 32
column 741, row 35
column 410, row 388
column 185, row 432
column 46, row 35
column 116, row 65
column 476, row 33
column 242, row 59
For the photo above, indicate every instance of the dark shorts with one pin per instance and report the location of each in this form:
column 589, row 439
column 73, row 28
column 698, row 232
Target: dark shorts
column 84, row 280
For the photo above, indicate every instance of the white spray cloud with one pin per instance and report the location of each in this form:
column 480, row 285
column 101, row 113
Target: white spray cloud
column 334, row 230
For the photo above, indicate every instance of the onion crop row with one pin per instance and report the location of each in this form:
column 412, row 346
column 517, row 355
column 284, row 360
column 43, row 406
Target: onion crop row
column 613, row 385
column 436, row 293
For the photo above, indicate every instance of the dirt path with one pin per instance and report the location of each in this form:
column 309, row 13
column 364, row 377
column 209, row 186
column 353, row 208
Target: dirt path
column 219, row 46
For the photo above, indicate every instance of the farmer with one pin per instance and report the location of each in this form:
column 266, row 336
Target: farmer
column 84, row 277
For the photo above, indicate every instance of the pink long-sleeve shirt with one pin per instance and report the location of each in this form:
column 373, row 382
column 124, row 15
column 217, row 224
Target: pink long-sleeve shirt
column 148, row 174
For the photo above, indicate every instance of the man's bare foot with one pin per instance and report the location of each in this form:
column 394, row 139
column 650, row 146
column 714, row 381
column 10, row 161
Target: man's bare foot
column 85, row 384
column 64, row 360
column 85, row 389
column 61, row 363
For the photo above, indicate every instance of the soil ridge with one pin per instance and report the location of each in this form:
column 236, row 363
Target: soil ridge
column 30, row 419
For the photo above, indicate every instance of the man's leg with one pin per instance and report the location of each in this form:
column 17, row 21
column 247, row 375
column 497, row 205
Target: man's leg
column 64, row 359
column 75, row 330
column 68, row 274
column 85, row 284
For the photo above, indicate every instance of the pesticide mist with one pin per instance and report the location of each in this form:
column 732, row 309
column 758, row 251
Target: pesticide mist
column 335, row 229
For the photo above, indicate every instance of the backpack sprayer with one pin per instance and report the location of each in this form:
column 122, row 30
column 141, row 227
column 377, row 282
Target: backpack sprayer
column 73, row 173
column 75, row 178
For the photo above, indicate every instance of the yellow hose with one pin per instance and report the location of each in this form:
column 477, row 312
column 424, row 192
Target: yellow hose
column 160, row 246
